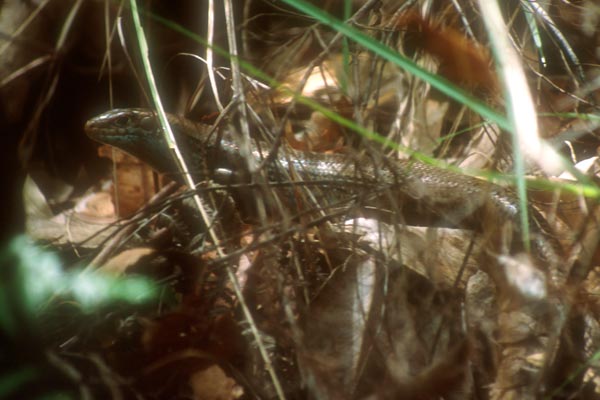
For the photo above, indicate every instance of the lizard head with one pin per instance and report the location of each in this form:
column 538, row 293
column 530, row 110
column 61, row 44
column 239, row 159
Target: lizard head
column 135, row 131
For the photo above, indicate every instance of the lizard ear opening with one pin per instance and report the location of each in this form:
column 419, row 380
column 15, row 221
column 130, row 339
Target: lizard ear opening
column 148, row 123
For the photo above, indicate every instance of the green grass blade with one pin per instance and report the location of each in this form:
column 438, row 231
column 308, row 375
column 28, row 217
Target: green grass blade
column 394, row 57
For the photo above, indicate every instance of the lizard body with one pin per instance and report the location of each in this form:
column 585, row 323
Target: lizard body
column 456, row 198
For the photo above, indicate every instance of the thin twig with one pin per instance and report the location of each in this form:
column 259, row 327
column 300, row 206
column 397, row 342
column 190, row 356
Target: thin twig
column 210, row 35
column 168, row 132
column 109, row 247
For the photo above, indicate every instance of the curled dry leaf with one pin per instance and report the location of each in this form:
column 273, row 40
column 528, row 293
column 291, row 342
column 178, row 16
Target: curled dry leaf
column 463, row 61
column 213, row 384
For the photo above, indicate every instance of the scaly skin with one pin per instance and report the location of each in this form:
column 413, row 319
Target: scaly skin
column 458, row 199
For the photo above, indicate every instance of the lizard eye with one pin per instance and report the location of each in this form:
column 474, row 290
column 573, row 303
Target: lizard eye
column 122, row 121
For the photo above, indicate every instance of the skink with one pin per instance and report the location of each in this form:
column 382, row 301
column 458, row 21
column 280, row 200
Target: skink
column 456, row 198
